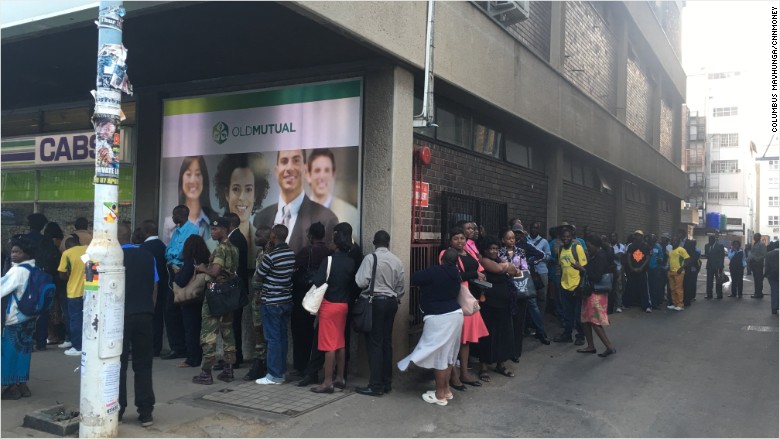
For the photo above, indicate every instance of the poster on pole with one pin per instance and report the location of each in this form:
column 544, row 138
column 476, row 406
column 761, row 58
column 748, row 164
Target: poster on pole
column 287, row 155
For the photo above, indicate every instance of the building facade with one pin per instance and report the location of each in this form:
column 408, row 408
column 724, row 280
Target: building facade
column 768, row 190
column 547, row 111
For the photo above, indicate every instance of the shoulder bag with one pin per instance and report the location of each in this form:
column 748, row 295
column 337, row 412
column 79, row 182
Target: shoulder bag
column 604, row 285
column 192, row 292
column 468, row 303
column 313, row 298
column 362, row 312
column 523, row 286
column 226, row 297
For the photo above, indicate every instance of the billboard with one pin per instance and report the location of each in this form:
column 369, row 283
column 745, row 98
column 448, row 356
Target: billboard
column 286, row 155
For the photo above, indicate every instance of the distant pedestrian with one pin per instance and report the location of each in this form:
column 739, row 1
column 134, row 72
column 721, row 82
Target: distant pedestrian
column 259, row 352
column 618, row 280
column 679, row 260
column 691, row 272
column 387, row 294
column 152, row 243
column 239, row 240
column 756, row 262
column 275, row 275
column 81, row 226
column 715, row 253
column 570, row 252
column 737, row 264
column 656, row 272
column 771, row 273
column 71, row 269
column 141, row 280
column 440, row 341
column 17, row 339
column 638, row 257
column 194, row 253
column 50, row 329
column 36, row 221
column 174, row 325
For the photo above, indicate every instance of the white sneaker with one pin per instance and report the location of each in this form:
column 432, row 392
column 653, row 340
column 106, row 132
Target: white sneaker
column 618, row 309
column 265, row 380
column 670, row 307
column 677, row 308
column 648, row 310
column 73, row 352
column 65, row 345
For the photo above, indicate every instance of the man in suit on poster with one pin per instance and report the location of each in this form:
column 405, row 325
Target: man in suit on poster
column 294, row 209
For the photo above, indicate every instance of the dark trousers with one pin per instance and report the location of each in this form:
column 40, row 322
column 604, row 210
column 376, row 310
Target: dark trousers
column 302, row 328
column 758, row 277
column 712, row 277
column 518, row 322
column 379, row 343
column 237, row 334
column 76, row 314
column 637, row 291
column 42, row 330
column 689, row 286
column 174, row 325
column 736, row 281
column 572, row 306
column 158, row 321
column 138, row 338
column 191, row 315
column 656, row 280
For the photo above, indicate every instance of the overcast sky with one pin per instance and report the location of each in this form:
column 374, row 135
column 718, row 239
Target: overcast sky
column 733, row 35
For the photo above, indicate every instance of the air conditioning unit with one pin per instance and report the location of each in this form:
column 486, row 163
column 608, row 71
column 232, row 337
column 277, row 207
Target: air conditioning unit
column 509, row 12
column 686, row 205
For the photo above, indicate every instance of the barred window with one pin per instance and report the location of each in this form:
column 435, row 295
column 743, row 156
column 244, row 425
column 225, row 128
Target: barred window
column 722, row 196
column 724, row 111
column 724, row 166
column 774, row 220
column 774, row 201
column 730, row 140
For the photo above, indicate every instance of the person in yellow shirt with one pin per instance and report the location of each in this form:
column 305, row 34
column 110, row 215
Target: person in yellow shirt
column 72, row 270
column 571, row 263
column 678, row 262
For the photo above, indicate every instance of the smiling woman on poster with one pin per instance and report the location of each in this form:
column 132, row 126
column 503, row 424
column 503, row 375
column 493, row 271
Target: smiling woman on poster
column 241, row 185
column 194, row 193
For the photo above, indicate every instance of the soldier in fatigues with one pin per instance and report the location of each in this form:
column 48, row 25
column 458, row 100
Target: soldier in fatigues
column 222, row 266
column 258, row 370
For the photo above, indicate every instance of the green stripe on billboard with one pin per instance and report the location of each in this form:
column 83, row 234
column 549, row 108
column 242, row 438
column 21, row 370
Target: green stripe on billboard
column 30, row 143
column 61, row 185
column 266, row 98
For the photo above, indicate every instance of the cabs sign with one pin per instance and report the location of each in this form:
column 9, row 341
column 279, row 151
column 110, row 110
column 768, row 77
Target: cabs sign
column 421, row 193
column 56, row 149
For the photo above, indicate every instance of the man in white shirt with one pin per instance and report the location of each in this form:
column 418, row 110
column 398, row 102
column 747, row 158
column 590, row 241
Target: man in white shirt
column 295, row 209
column 619, row 250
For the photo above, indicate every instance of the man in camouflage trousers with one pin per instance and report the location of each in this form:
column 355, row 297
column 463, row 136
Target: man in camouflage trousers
column 222, row 267
column 258, row 370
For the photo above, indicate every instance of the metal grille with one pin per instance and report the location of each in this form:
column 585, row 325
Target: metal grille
column 424, row 255
column 491, row 215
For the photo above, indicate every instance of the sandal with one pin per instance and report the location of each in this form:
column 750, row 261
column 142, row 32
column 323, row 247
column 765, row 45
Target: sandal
column 587, row 351
column 505, row 372
column 483, row 375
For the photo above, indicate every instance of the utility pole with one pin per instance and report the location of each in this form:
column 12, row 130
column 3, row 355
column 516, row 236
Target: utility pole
column 104, row 290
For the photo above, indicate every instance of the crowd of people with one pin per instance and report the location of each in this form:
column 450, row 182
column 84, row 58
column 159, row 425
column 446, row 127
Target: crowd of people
column 487, row 294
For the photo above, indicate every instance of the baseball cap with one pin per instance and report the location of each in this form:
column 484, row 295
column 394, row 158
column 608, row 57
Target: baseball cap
column 639, row 232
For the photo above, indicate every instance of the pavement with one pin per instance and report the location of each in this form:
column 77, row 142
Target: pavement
column 708, row 371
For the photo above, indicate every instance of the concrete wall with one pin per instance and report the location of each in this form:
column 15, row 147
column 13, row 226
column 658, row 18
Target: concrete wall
column 476, row 55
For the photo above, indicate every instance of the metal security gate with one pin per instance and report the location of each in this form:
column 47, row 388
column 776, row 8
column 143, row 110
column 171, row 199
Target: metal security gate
column 491, row 215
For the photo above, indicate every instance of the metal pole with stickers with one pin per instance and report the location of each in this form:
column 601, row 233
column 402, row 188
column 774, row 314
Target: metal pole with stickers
column 104, row 289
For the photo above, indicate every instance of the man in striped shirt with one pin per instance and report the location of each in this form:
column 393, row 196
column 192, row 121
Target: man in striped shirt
column 275, row 276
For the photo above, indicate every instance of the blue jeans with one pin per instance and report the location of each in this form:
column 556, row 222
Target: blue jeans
column 275, row 319
column 572, row 307
column 536, row 316
column 773, row 290
column 75, row 313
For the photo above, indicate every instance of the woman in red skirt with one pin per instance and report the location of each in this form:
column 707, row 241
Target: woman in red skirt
column 332, row 315
column 473, row 326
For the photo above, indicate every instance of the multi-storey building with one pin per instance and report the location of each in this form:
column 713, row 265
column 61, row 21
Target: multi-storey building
column 768, row 189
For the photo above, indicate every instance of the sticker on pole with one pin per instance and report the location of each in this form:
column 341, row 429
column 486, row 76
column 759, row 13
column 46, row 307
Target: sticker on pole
column 111, row 387
column 112, row 70
column 110, row 212
column 106, row 162
column 108, row 102
column 111, row 17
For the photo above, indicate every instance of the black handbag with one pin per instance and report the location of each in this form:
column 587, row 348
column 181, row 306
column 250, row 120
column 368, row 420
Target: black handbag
column 226, row 297
column 363, row 312
column 523, row 286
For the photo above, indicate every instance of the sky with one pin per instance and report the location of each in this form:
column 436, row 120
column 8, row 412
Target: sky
column 733, row 35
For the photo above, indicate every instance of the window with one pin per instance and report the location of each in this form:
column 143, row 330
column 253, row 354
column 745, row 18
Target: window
column 774, row 220
column 696, row 179
column 773, row 182
column 487, row 141
column 730, row 140
column 774, row 201
column 724, row 111
column 453, row 128
column 774, row 165
column 722, row 75
column 724, row 166
column 694, row 131
column 722, row 196
column 632, row 192
column 518, row 154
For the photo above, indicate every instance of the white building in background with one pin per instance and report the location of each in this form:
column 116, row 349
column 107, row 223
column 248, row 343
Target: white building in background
column 768, row 190
column 729, row 168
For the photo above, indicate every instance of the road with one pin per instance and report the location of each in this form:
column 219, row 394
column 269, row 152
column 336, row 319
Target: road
column 708, row 371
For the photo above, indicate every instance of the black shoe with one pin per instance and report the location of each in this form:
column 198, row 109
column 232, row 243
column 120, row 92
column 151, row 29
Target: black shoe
column 579, row 341
column 146, row 420
column 543, row 339
column 732, row 295
column 461, row 388
column 257, row 370
column 719, row 298
column 708, row 297
column 563, row 338
column 307, row 381
column 173, row 356
column 368, row 390
column 219, row 366
column 757, row 297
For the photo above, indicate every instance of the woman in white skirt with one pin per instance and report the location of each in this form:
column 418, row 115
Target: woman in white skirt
column 440, row 342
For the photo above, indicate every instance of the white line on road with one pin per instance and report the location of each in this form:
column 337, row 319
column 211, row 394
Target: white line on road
column 760, row 328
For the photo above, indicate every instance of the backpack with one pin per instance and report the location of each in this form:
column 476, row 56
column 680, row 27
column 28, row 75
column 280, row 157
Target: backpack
column 38, row 296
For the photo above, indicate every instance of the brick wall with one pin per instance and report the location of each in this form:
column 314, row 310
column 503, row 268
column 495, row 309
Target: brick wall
column 638, row 101
column 583, row 206
column 668, row 15
column 463, row 172
column 667, row 130
column 590, row 52
column 534, row 33
column 637, row 217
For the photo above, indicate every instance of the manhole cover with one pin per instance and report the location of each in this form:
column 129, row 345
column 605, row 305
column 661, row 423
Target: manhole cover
column 286, row 400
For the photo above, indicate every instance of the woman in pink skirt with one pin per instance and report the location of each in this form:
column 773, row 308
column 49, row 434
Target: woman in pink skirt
column 473, row 326
column 594, row 306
